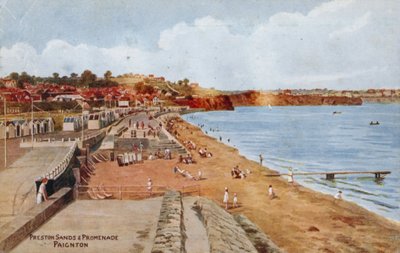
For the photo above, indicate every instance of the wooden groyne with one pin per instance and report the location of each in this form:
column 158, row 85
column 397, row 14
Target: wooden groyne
column 331, row 174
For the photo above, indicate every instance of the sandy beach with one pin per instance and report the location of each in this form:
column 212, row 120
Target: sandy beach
column 298, row 220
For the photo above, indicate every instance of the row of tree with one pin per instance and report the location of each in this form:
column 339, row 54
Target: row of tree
column 86, row 79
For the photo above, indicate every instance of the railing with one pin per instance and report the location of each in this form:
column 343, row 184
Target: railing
column 130, row 192
column 63, row 165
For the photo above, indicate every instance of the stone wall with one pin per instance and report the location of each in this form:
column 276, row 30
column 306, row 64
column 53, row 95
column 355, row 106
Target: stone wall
column 14, row 232
column 260, row 240
column 224, row 233
column 170, row 234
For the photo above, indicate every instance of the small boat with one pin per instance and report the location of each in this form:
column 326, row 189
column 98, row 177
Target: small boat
column 335, row 112
column 374, row 123
column 269, row 107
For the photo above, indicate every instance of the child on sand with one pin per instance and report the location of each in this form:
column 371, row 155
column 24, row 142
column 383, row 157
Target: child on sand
column 235, row 200
column 226, row 198
column 271, row 192
column 149, row 185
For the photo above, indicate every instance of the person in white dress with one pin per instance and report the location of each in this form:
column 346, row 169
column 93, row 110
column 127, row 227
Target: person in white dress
column 338, row 195
column 42, row 193
column 200, row 174
column 235, row 200
column 149, row 185
column 271, row 192
column 226, row 198
column 290, row 176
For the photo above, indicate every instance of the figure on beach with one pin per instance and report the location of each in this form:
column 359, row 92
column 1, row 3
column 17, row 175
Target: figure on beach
column 271, row 192
column 338, row 195
column 261, row 159
column 235, row 200
column 290, row 176
column 42, row 192
column 149, row 185
column 226, row 198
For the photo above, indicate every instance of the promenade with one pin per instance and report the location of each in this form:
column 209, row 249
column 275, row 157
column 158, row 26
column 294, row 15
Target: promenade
column 17, row 192
column 134, row 222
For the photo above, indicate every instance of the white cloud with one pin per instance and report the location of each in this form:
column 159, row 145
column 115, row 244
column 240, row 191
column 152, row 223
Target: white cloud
column 339, row 44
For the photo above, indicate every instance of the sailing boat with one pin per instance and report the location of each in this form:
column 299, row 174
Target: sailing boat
column 269, row 107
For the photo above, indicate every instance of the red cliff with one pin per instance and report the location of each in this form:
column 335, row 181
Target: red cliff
column 221, row 102
column 256, row 98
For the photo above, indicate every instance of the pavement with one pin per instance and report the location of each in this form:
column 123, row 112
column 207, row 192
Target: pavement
column 133, row 222
column 197, row 239
column 17, row 191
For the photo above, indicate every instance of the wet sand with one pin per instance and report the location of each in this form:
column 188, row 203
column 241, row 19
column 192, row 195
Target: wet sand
column 298, row 220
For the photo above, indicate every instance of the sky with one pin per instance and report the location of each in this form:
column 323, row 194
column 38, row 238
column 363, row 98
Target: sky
column 225, row 44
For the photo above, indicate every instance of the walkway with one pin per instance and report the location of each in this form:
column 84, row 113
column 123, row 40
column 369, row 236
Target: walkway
column 197, row 240
column 17, row 191
column 134, row 222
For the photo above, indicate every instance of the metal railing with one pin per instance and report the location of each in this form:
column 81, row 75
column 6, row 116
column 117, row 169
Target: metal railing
column 63, row 165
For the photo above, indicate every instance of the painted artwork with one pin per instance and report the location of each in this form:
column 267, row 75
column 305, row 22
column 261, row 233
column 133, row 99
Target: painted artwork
column 199, row 126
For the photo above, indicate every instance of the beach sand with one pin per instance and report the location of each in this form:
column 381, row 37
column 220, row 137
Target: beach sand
column 298, row 220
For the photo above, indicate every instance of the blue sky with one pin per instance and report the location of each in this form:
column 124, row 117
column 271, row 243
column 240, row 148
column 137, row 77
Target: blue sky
column 223, row 44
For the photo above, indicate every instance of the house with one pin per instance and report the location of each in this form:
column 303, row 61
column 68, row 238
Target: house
column 67, row 97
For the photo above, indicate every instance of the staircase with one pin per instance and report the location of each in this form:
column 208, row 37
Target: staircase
column 164, row 143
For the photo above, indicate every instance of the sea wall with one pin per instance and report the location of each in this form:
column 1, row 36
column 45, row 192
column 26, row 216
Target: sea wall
column 261, row 241
column 224, row 233
column 170, row 234
column 220, row 102
column 14, row 232
column 257, row 98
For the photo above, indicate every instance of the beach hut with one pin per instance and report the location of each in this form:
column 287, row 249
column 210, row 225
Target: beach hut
column 50, row 125
column 72, row 123
column 25, row 128
column 18, row 127
column 94, row 121
column 10, row 130
column 2, row 128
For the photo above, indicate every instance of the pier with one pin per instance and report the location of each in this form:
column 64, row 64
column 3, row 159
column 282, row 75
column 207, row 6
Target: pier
column 331, row 175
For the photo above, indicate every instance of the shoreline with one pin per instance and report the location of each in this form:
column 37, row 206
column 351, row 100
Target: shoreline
column 347, row 223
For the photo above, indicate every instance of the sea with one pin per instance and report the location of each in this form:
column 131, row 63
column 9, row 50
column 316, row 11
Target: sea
column 320, row 139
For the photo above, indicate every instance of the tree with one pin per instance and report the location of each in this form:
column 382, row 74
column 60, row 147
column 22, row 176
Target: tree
column 56, row 75
column 87, row 77
column 24, row 78
column 74, row 75
column 186, row 81
column 14, row 76
column 108, row 75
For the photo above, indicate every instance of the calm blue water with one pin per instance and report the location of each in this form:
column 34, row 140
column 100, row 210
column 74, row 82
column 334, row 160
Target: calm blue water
column 313, row 139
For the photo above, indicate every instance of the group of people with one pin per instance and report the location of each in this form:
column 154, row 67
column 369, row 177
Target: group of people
column 205, row 153
column 187, row 160
column 226, row 199
column 238, row 173
column 190, row 145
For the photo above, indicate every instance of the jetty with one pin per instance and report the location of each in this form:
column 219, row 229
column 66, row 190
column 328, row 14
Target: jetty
column 331, row 175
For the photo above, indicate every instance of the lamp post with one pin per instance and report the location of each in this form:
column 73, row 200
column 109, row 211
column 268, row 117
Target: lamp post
column 5, row 132
column 32, row 120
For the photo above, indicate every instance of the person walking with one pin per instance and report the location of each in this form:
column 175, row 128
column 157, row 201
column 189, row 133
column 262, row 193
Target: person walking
column 261, row 159
column 42, row 192
column 226, row 198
